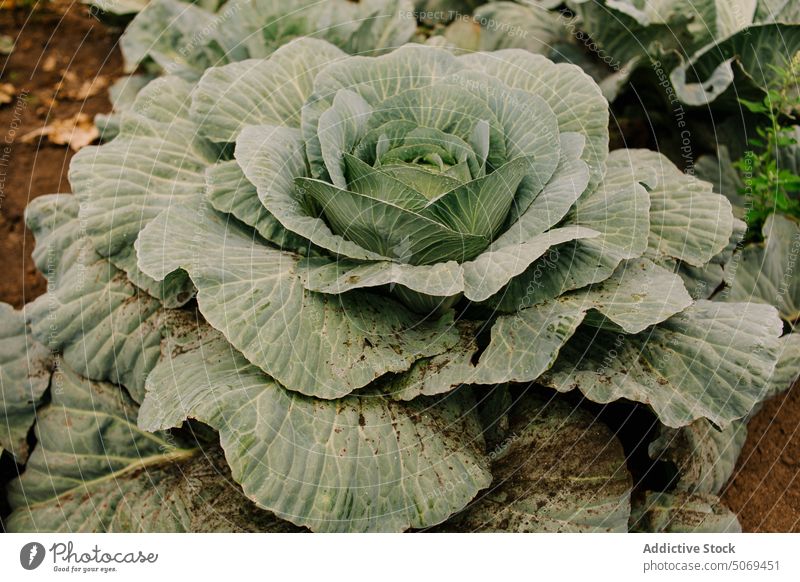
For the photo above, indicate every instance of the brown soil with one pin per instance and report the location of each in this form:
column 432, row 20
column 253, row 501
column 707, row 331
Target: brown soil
column 60, row 36
column 765, row 490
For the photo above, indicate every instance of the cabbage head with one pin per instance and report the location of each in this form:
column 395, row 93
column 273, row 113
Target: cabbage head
column 372, row 276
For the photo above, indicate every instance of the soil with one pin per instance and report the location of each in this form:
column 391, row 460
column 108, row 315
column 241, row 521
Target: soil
column 765, row 489
column 60, row 36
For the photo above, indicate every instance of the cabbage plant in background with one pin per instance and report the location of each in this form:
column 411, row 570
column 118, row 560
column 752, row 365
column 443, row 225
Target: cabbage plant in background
column 185, row 39
column 704, row 46
column 365, row 293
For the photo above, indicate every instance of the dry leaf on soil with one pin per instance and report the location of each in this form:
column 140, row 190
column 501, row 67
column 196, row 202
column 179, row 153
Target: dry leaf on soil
column 77, row 131
column 50, row 64
column 7, row 92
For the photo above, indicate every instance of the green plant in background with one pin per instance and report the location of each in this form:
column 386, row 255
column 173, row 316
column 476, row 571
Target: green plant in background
column 770, row 185
column 185, row 39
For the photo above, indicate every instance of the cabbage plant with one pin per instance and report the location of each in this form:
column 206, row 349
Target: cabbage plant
column 720, row 43
column 699, row 47
column 372, row 277
column 185, row 39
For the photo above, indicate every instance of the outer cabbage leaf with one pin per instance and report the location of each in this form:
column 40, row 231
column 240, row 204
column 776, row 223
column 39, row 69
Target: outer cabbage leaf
column 174, row 35
column 156, row 161
column 355, row 464
column 557, row 470
column 704, row 455
column 682, row 513
column 687, row 220
column 618, row 208
column 93, row 470
column 492, row 270
column 767, row 272
column 25, row 367
column 787, row 370
column 777, row 11
column 525, row 345
column 703, row 282
column 106, row 328
column 713, row 360
column 313, row 343
column 719, row 170
column 260, row 91
column 230, row 192
column 441, row 373
column 639, row 294
column 124, row 90
column 627, row 29
column 122, row 95
column 255, row 28
column 703, row 19
column 440, row 279
column 719, row 42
